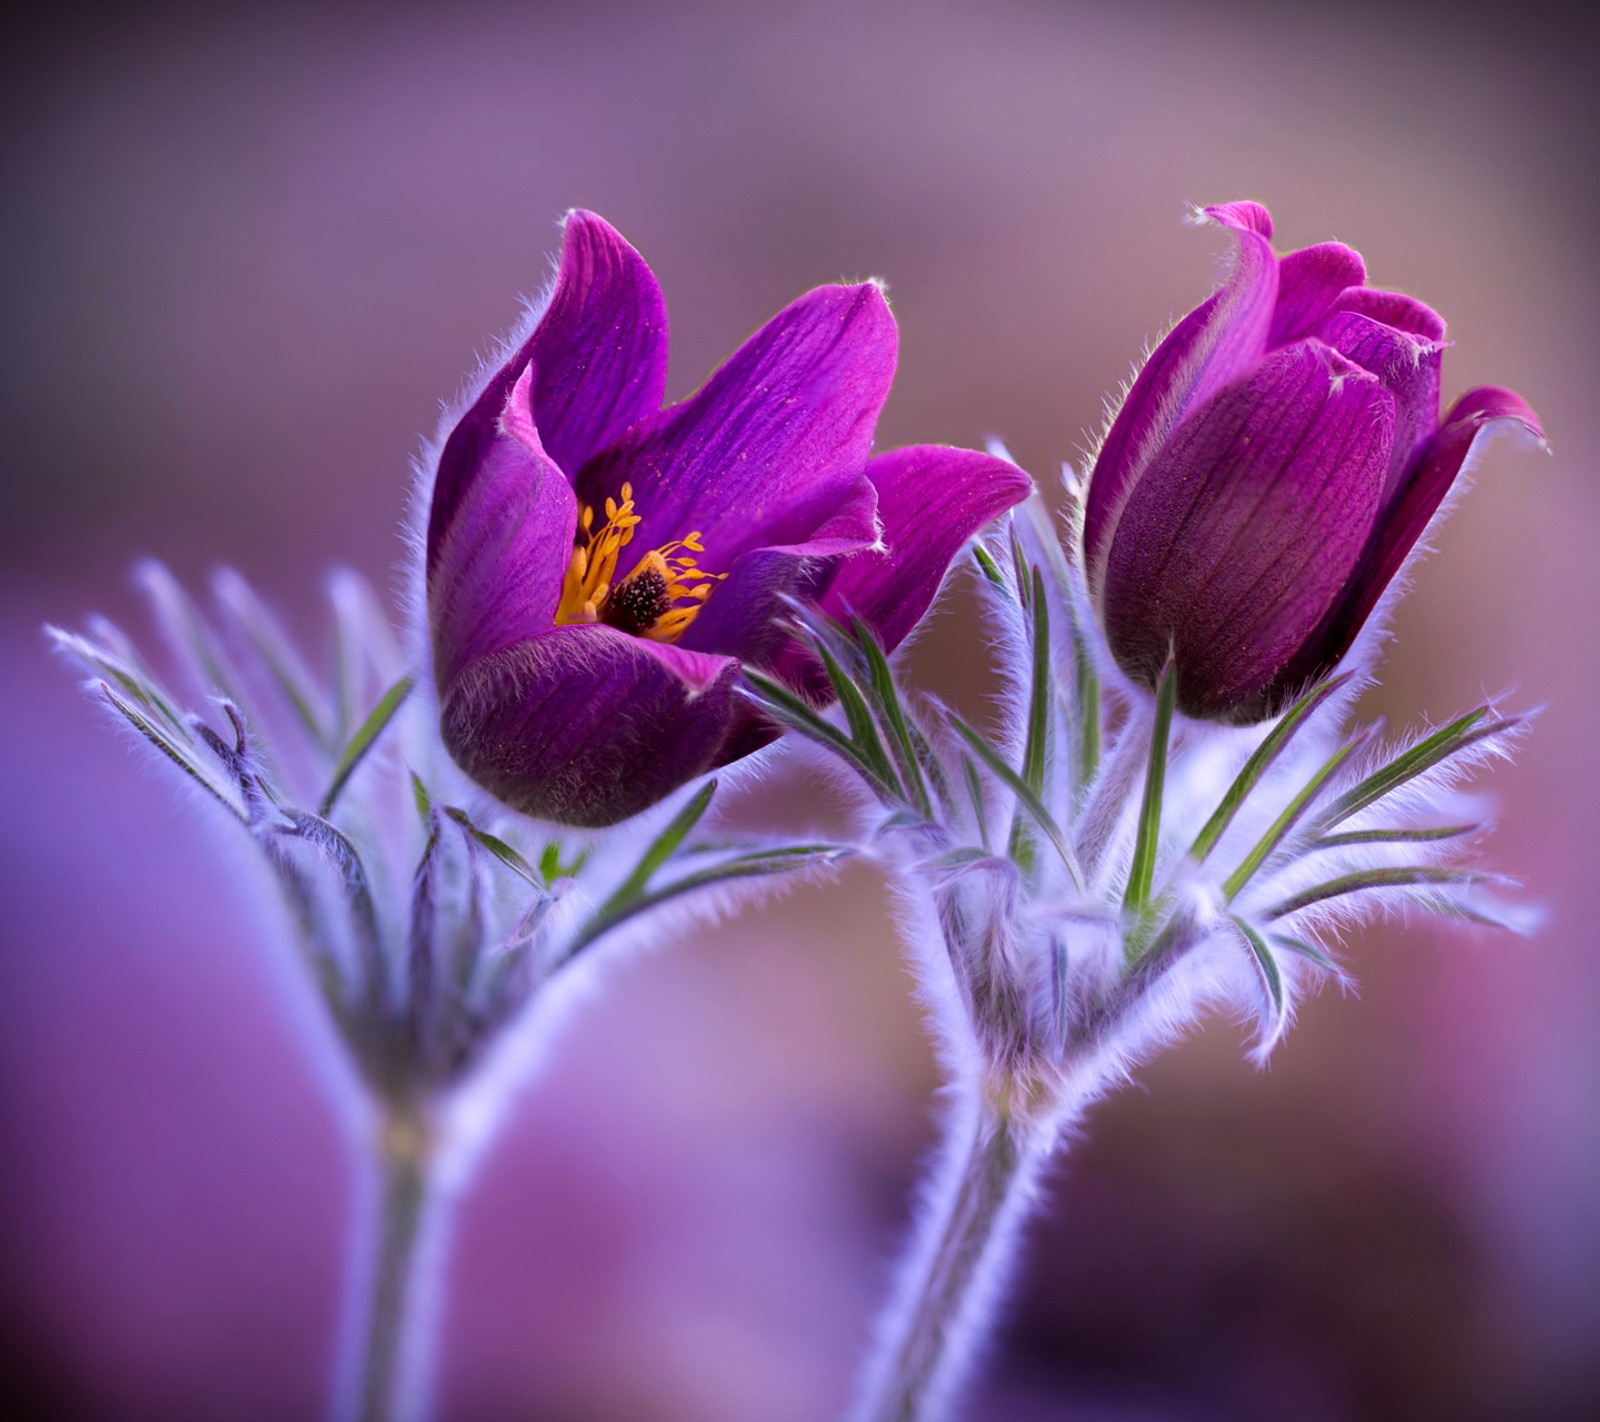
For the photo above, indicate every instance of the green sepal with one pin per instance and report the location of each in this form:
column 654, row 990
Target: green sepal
column 1440, row 746
column 1042, row 817
column 1404, row 876
column 1280, row 827
column 1260, row 762
column 365, row 738
column 1141, row 873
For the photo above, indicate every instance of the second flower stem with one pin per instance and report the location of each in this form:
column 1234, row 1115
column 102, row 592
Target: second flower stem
column 965, row 1241
column 404, row 1154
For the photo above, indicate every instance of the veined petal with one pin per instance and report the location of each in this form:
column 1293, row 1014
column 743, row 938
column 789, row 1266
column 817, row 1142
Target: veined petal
column 1407, row 364
column 601, row 345
column 1239, row 535
column 601, row 353
column 494, row 573
column 1394, row 308
column 1309, row 282
column 1219, row 342
column 585, row 725
column 773, row 443
column 931, row 500
column 1400, row 525
column 740, row 618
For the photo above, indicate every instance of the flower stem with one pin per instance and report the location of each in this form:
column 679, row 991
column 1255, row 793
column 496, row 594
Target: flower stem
column 390, row 1291
column 947, row 1298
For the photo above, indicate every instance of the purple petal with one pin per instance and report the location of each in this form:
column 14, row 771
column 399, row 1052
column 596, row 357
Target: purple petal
column 931, row 500
column 1399, row 527
column 1408, row 367
column 1219, row 342
column 1393, row 308
column 601, row 351
column 601, row 345
column 741, row 617
column 1309, row 282
column 1243, row 216
column 586, row 726
column 773, row 444
column 495, row 569
column 1243, row 529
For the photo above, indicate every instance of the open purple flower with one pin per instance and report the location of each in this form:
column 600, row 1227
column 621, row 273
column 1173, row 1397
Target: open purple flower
column 1275, row 461
column 598, row 567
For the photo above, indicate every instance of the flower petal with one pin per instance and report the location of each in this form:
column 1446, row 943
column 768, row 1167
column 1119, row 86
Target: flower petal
column 601, row 345
column 601, row 353
column 1408, row 367
column 1217, row 343
column 1402, row 522
column 741, row 617
column 931, row 500
column 1245, row 526
column 495, row 569
column 1394, row 308
column 1309, row 282
column 773, row 443
column 587, row 726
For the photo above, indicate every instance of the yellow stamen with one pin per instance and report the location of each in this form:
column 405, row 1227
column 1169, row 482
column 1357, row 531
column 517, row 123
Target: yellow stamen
column 658, row 599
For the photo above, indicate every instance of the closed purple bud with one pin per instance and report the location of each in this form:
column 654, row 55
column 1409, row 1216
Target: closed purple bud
column 1275, row 461
column 598, row 567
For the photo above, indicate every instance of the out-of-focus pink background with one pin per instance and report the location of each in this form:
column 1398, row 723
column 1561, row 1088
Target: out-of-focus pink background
column 247, row 253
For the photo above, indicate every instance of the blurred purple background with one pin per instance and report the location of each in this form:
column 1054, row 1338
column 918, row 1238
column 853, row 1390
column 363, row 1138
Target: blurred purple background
column 248, row 253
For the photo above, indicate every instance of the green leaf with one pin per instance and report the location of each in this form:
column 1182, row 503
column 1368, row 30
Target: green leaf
column 1086, row 714
column 760, row 864
column 552, row 866
column 122, row 667
column 1281, row 826
column 1025, row 796
column 1271, row 977
column 1259, row 763
column 1022, row 572
column 365, row 738
column 863, row 729
column 497, row 847
column 422, row 800
column 1311, row 953
column 987, row 565
column 1395, row 836
column 1141, row 874
column 1440, row 746
column 1405, row 876
column 784, row 706
column 1041, row 696
column 661, row 849
column 891, row 710
column 177, row 752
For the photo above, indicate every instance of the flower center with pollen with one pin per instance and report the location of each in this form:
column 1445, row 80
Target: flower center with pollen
column 658, row 599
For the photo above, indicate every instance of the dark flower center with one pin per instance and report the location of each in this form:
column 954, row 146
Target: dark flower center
column 638, row 603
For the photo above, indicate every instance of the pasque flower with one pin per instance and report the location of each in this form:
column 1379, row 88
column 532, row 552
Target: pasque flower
column 1275, row 461
column 598, row 567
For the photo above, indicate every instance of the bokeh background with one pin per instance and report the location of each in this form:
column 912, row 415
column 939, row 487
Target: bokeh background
column 247, row 252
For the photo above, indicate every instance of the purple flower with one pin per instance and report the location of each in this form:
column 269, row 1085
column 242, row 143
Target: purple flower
column 1275, row 461
column 598, row 567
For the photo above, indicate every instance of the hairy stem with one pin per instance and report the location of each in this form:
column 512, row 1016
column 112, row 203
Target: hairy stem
column 388, row 1290
column 948, row 1294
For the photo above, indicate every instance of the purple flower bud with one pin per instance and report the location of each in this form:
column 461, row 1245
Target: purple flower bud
column 1275, row 461
column 599, row 567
